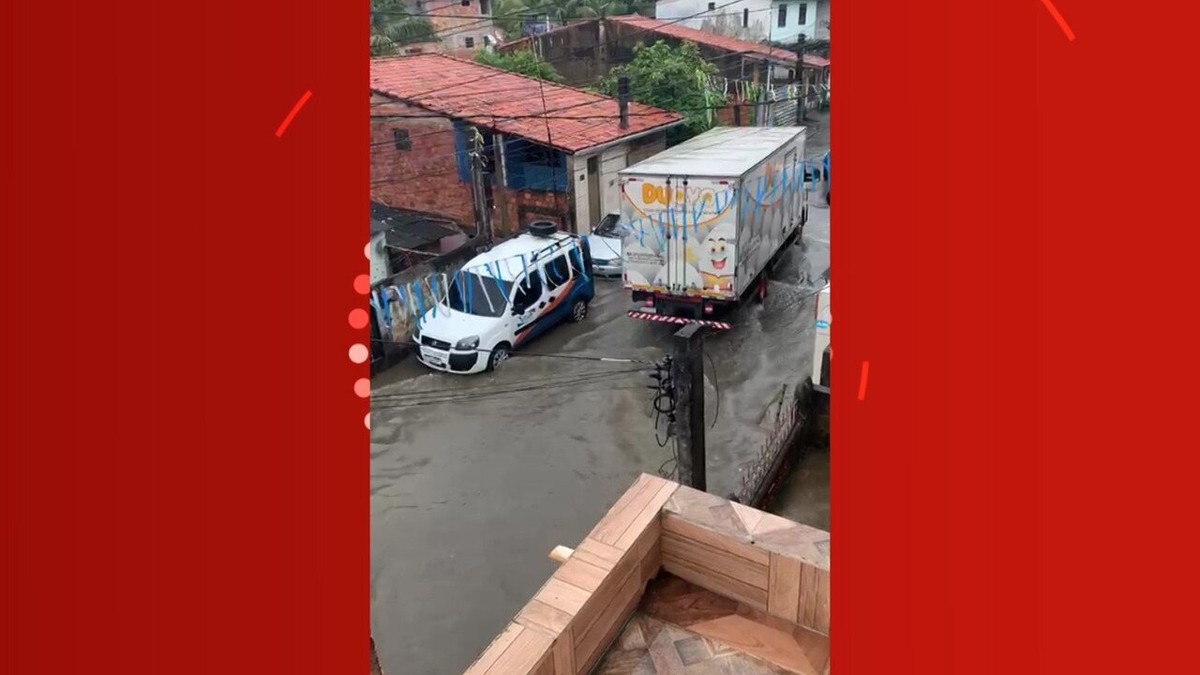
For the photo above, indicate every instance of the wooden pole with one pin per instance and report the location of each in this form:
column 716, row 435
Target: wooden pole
column 688, row 376
column 498, row 182
column 803, row 73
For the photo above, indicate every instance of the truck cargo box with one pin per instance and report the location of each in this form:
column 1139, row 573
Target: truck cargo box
column 707, row 216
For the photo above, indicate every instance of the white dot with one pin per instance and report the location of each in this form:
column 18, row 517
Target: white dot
column 367, row 421
column 367, row 251
column 358, row 353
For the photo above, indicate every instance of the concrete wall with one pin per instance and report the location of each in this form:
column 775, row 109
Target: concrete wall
column 456, row 23
column 424, row 178
column 577, row 171
column 611, row 161
column 793, row 28
column 723, row 21
column 822, row 32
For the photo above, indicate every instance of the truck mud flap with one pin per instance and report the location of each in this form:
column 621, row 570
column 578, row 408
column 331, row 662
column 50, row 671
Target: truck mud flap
column 658, row 318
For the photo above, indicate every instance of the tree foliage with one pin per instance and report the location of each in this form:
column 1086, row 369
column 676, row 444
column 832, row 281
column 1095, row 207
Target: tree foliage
column 523, row 62
column 672, row 78
column 392, row 26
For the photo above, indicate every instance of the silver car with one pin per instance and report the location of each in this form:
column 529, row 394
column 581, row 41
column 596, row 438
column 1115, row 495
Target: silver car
column 605, row 244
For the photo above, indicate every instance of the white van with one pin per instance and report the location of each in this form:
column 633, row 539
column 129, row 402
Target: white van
column 821, row 346
column 504, row 297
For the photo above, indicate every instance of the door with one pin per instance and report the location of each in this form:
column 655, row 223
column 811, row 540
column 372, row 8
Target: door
column 593, row 182
column 558, row 277
column 525, row 308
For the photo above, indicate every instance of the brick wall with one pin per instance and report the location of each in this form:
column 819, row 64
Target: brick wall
column 423, row 178
column 526, row 206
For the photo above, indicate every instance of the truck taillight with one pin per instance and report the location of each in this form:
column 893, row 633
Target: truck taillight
column 708, row 309
column 650, row 301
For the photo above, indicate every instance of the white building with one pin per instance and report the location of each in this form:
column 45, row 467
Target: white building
column 756, row 20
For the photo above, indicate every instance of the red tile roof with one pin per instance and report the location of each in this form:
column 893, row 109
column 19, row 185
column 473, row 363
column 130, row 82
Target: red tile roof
column 729, row 44
column 492, row 98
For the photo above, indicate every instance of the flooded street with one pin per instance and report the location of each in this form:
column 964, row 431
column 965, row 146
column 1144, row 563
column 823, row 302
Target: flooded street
column 474, row 479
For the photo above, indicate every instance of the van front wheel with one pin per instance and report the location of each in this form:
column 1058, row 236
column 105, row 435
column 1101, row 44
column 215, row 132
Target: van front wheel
column 579, row 311
column 499, row 355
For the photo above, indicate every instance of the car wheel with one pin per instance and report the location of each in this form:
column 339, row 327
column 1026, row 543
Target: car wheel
column 579, row 311
column 498, row 356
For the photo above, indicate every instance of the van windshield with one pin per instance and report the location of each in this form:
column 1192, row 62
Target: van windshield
column 481, row 296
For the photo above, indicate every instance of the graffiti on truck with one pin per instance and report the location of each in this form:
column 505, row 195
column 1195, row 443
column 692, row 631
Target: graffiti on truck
column 684, row 238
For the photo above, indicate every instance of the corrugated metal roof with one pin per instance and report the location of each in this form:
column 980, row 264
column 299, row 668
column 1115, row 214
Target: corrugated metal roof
column 719, row 152
column 408, row 229
column 486, row 96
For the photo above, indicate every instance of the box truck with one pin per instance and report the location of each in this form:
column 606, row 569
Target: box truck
column 705, row 219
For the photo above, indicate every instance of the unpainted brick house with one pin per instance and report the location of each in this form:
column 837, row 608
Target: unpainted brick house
column 554, row 151
column 585, row 51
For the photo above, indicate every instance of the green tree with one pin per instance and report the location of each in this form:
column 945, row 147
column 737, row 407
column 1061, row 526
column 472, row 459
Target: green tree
column 565, row 10
column 523, row 62
column 672, row 78
column 393, row 26
column 509, row 16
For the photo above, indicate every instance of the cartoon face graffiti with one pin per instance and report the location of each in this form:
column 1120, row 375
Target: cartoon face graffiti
column 718, row 257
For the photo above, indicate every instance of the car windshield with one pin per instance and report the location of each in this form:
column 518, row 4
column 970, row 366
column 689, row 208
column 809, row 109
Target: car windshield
column 611, row 226
column 478, row 295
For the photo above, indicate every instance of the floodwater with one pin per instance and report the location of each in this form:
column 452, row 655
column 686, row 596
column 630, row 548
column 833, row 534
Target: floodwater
column 475, row 479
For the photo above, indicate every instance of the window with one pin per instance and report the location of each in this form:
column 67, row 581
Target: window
column 745, row 18
column 485, row 6
column 469, row 42
column 557, row 272
column 466, row 3
column 401, row 139
column 783, row 16
column 803, row 18
column 529, row 292
column 529, row 166
column 712, row 6
column 474, row 294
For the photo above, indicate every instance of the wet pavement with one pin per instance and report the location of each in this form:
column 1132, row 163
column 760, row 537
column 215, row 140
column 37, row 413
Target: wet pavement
column 474, row 479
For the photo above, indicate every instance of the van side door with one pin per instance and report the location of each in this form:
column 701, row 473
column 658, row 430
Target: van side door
column 526, row 298
column 559, row 277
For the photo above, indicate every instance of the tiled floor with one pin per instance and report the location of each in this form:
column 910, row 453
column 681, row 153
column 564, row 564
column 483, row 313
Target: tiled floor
column 681, row 628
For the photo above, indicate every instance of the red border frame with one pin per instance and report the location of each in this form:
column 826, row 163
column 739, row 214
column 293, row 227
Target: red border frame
column 184, row 464
column 186, row 467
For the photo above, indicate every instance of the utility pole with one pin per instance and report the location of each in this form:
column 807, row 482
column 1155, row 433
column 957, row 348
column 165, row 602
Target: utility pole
column 623, row 101
column 498, row 184
column 764, row 115
column 483, row 215
column 801, row 114
column 687, row 373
